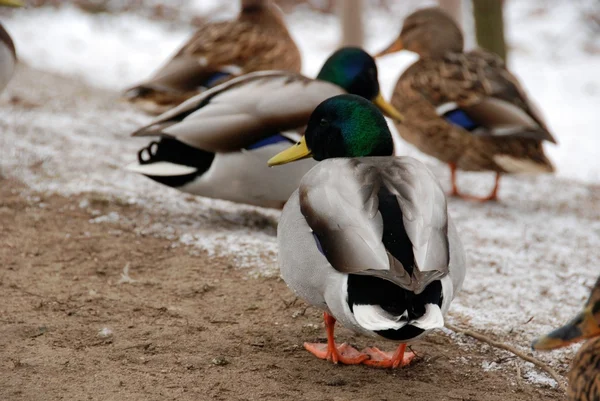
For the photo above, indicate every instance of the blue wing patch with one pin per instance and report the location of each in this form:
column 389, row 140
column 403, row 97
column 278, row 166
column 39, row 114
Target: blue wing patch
column 271, row 140
column 319, row 247
column 210, row 81
column 460, row 118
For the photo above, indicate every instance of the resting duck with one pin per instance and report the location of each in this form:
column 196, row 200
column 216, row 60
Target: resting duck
column 466, row 109
column 217, row 144
column 584, row 377
column 257, row 40
column 367, row 237
column 8, row 54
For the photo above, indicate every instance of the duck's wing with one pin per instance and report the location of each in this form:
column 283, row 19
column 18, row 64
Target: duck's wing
column 223, row 50
column 243, row 111
column 383, row 216
column 475, row 91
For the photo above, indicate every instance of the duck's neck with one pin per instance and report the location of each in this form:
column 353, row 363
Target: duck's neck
column 262, row 12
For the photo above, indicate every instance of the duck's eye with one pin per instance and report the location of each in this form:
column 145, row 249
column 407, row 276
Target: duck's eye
column 324, row 123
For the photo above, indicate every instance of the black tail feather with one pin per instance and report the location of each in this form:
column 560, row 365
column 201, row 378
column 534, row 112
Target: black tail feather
column 171, row 150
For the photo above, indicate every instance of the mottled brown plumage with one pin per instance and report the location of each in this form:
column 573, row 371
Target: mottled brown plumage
column 504, row 132
column 584, row 377
column 257, row 40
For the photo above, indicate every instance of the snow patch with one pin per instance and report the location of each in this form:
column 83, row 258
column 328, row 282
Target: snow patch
column 533, row 375
column 489, row 366
column 112, row 217
column 111, row 51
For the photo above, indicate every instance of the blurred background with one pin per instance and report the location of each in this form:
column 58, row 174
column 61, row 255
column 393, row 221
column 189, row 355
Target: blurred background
column 553, row 46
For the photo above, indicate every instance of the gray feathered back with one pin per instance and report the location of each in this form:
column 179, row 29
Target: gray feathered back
column 339, row 199
column 243, row 111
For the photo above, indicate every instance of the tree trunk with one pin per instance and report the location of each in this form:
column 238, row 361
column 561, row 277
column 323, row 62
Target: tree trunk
column 489, row 26
column 350, row 14
column 454, row 9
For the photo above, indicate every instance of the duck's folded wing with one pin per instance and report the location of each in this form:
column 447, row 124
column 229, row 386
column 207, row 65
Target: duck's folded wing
column 216, row 52
column 475, row 90
column 186, row 73
column 243, row 111
column 381, row 216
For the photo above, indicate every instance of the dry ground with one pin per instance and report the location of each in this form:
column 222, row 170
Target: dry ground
column 190, row 327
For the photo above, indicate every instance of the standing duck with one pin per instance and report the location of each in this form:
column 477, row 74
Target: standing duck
column 217, row 144
column 584, row 377
column 8, row 54
column 257, row 40
column 367, row 237
column 466, row 109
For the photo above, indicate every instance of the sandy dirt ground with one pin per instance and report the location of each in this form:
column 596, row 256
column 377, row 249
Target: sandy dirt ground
column 189, row 327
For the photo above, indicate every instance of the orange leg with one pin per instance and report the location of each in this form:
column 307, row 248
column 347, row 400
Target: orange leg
column 337, row 354
column 381, row 359
column 493, row 196
column 453, row 179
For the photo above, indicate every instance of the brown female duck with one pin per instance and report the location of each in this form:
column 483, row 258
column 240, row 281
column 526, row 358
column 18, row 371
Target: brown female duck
column 256, row 40
column 584, row 377
column 465, row 108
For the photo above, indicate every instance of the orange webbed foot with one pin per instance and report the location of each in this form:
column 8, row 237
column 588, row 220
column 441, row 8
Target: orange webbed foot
column 343, row 353
column 381, row 359
column 335, row 353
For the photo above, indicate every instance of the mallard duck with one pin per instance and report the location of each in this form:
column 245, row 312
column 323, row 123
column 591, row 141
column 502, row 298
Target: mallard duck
column 584, row 377
column 466, row 109
column 8, row 54
column 257, row 40
column 367, row 237
column 217, row 143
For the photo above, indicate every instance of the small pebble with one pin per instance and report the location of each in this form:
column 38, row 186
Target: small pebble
column 105, row 332
column 220, row 361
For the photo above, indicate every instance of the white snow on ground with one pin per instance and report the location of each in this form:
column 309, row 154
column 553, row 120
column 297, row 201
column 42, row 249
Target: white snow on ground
column 532, row 257
column 548, row 55
column 92, row 47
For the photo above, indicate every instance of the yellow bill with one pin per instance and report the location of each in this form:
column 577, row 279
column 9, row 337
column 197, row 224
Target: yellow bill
column 12, row 3
column 387, row 108
column 582, row 327
column 393, row 48
column 297, row 152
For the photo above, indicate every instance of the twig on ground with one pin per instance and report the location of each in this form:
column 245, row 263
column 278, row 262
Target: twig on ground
column 519, row 378
column 513, row 350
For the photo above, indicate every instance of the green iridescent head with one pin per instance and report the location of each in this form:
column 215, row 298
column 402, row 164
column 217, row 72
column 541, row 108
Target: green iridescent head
column 348, row 126
column 341, row 126
column 354, row 70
